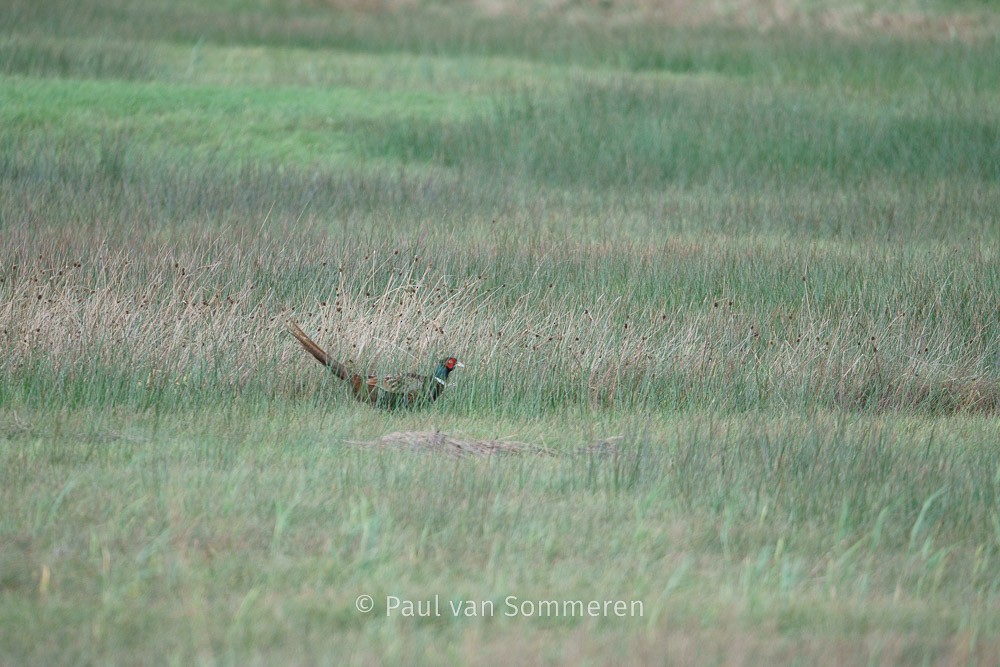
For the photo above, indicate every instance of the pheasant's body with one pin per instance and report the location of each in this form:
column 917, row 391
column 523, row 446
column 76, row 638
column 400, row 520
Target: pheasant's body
column 392, row 391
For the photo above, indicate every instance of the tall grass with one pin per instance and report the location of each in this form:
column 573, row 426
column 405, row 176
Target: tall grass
column 643, row 135
column 113, row 181
column 634, row 43
column 96, row 59
column 654, row 326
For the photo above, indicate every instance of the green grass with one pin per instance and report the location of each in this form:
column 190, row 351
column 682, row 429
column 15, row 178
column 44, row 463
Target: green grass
column 762, row 264
column 251, row 536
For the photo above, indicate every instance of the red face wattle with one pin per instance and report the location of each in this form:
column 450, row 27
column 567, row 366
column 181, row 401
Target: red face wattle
column 450, row 364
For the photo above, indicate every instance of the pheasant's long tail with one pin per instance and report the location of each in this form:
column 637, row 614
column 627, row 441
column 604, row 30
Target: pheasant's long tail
column 339, row 369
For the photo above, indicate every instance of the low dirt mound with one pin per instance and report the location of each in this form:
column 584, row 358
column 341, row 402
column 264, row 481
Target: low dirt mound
column 441, row 443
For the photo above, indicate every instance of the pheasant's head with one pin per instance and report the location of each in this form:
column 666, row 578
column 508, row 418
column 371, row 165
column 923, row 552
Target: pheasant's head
column 446, row 366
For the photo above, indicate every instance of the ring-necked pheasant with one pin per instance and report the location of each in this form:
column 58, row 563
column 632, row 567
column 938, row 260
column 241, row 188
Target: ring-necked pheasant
column 392, row 391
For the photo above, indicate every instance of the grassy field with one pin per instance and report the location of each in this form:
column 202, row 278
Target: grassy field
column 733, row 271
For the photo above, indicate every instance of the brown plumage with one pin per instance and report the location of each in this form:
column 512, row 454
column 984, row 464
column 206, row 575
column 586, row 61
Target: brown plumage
column 392, row 391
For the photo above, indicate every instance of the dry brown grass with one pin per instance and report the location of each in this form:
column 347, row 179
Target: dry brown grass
column 900, row 18
column 211, row 316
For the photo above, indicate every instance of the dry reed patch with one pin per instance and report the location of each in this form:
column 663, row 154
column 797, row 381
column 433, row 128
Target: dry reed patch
column 898, row 19
column 852, row 19
column 202, row 317
column 843, row 18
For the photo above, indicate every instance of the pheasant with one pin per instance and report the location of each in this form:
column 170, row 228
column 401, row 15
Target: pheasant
column 392, row 391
